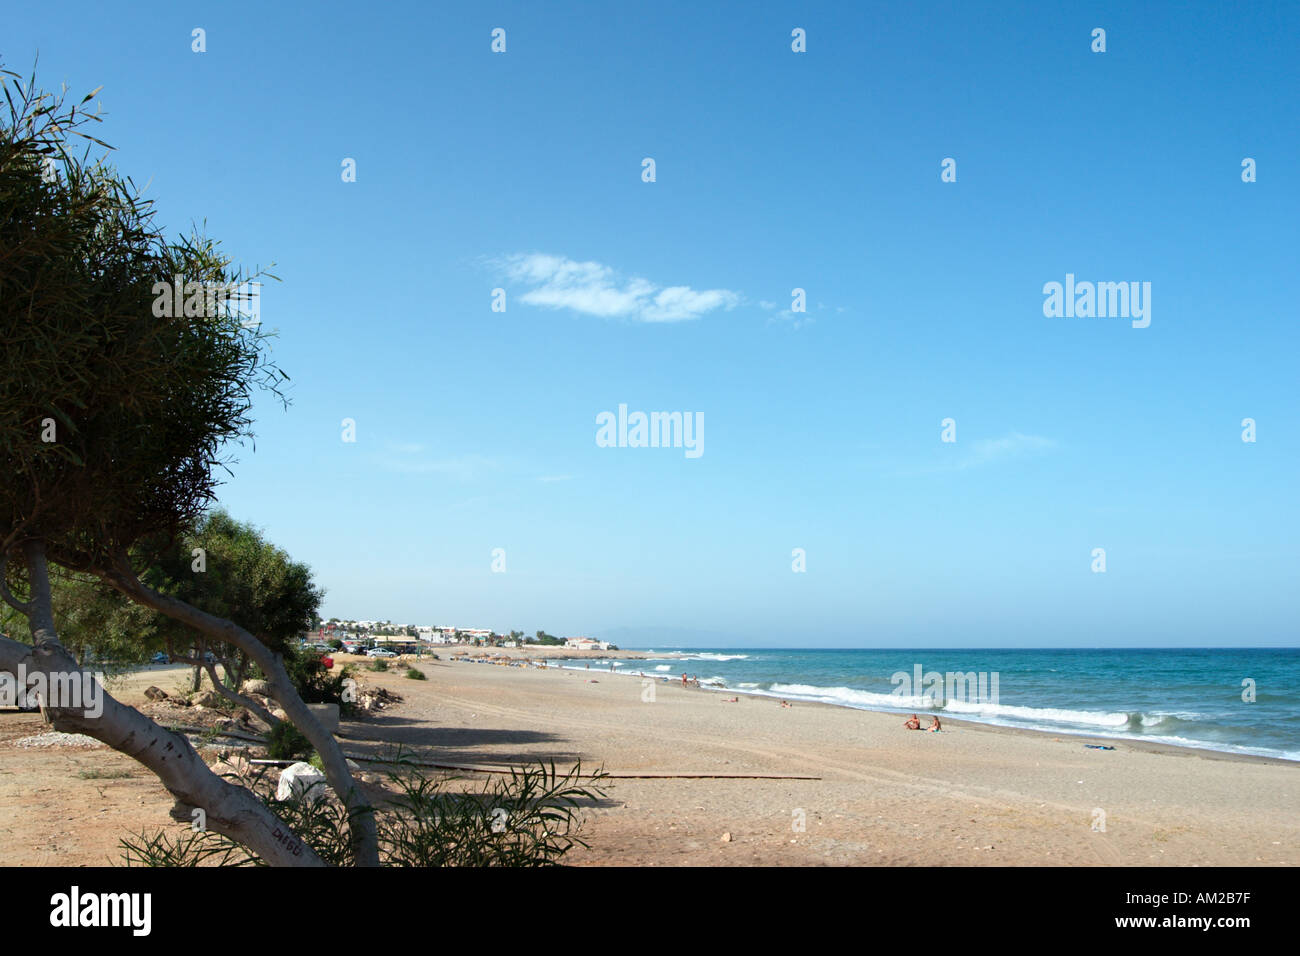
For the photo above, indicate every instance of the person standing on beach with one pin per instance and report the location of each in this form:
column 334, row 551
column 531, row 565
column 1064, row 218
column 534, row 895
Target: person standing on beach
column 683, row 678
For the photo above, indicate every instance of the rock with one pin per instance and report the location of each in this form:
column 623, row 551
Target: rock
column 156, row 693
column 209, row 698
column 377, row 699
column 235, row 765
column 278, row 713
column 259, row 687
column 726, row 837
column 301, row 780
column 56, row 739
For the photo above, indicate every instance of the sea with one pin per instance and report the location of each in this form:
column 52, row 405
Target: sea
column 1227, row 699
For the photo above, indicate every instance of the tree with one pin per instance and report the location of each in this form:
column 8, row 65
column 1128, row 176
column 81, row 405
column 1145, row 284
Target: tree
column 96, row 623
column 240, row 576
column 114, row 417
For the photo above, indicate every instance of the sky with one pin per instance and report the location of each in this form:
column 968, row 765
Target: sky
column 774, row 170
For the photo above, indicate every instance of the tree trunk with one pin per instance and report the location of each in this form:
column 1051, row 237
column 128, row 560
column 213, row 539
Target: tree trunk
column 253, row 706
column 230, row 810
column 365, row 838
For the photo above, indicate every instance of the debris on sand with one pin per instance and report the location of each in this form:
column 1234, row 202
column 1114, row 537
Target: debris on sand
column 56, row 739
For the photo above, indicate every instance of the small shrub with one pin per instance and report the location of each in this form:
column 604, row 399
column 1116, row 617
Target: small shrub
column 414, row 674
column 312, row 679
column 379, row 664
column 529, row 818
column 205, row 848
column 286, row 742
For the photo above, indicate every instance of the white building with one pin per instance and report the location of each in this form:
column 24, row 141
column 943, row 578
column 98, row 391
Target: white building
column 586, row 644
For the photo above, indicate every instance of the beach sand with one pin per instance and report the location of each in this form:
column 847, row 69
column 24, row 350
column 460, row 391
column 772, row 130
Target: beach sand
column 970, row 795
column 886, row 796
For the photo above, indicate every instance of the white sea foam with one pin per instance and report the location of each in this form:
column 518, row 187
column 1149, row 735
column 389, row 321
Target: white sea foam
column 1116, row 725
column 848, row 696
column 1055, row 715
column 851, row 697
column 1158, row 716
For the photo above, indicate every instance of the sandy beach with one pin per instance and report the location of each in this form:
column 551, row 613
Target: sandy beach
column 970, row 795
column 881, row 795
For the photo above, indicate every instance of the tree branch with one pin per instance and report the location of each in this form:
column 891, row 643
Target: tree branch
column 261, row 712
column 365, row 838
column 22, row 607
column 230, row 810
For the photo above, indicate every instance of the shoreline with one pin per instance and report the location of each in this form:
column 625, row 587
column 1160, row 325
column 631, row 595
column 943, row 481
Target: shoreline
column 976, row 793
column 704, row 782
column 1150, row 746
column 533, row 653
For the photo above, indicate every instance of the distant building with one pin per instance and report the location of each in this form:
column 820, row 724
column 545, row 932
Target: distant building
column 586, row 644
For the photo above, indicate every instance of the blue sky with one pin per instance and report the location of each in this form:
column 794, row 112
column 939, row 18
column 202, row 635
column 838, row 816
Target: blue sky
column 775, row 170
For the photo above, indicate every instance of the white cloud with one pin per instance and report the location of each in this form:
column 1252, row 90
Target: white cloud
column 461, row 467
column 796, row 320
column 948, row 458
column 595, row 289
column 991, row 449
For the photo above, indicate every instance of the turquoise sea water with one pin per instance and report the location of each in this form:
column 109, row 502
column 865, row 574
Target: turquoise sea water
column 1191, row 697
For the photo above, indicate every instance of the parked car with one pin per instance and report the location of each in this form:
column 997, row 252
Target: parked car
column 379, row 652
column 161, row 658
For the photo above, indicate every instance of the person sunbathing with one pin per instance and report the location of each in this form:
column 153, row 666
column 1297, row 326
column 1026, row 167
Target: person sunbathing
column 934, row 727
column 912, row 723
